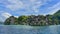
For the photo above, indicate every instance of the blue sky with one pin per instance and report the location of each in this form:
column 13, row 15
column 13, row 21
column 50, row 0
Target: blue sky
column 27, row 7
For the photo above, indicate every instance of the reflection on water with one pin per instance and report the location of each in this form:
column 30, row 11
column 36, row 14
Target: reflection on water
column 20, row 29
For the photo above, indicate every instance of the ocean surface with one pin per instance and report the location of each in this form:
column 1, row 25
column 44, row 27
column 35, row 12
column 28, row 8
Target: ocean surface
column 23, row 29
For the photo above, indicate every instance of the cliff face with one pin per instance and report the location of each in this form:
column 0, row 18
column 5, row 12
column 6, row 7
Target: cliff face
column 11, row 20
column 33, row 20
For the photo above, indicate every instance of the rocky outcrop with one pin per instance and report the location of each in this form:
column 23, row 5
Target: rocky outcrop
column 11, row 21
column 33, row 20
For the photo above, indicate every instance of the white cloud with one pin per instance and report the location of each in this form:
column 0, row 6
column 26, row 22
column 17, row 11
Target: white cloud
column 33, row 0
column 6, row 15
column 36, row 6
column 27, row 5
column 16, row 16
column 54, row 11
column 54, row 8
column 15, row 4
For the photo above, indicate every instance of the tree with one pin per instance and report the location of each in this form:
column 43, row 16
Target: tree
column 22, row 20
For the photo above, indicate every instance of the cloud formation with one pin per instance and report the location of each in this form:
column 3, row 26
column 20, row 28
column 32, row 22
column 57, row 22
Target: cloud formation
column 30, row 5
column 6, row 15
column 14, row 4
column 54, row 8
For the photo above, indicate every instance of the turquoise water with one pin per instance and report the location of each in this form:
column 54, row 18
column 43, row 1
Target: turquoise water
column 23, row 29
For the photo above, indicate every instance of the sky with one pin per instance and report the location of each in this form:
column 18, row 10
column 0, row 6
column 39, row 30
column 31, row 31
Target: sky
column 27, row 7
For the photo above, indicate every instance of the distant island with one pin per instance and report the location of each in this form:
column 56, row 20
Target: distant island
column 33, row 20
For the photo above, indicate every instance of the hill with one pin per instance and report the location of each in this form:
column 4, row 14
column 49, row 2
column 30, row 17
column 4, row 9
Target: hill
column 57, row 13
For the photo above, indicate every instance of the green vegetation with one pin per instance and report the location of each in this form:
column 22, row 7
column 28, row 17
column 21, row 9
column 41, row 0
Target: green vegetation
column 33, row 20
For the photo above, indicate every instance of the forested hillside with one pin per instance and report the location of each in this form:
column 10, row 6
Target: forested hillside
column 33, row 20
